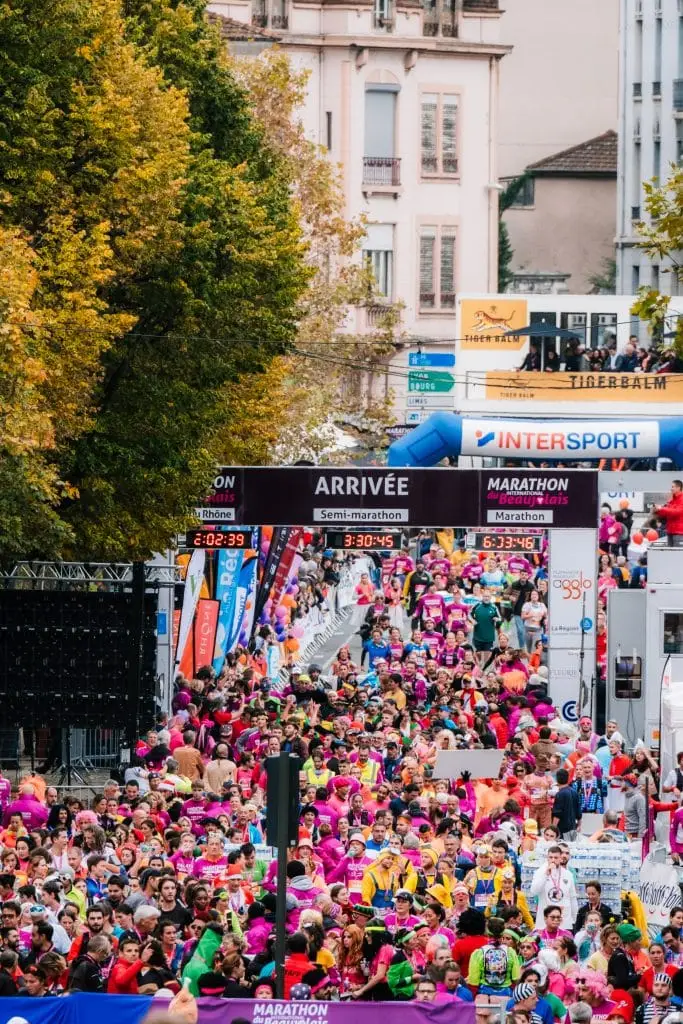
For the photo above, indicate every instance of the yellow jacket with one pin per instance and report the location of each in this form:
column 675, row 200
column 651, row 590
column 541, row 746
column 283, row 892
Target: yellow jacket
column 376, row 879
column 520, row 903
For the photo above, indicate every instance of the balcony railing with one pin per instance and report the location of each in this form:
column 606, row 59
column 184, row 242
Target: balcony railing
column 375, row 314
column 383, row 18
column 678, row 94
column 263, row 17
column 440, row 19
column 381, row 170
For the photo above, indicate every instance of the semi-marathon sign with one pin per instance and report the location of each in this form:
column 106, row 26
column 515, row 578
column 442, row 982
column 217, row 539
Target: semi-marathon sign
column 307, row 496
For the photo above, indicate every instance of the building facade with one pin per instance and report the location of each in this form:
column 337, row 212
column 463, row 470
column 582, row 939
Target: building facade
column 650, row 126
column 404, row 96
column 558, row 87
column 561, row 226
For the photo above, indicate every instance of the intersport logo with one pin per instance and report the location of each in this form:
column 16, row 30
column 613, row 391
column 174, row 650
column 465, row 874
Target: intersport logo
column 559, row 441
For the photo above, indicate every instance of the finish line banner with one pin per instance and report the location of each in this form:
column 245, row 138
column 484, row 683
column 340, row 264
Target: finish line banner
column 82, row 1008
column 306, row 496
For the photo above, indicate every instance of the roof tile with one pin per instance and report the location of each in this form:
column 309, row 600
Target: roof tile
column 596, row 156
column 234, row 30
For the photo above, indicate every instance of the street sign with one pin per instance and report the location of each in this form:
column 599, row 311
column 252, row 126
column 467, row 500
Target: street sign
column 443, row 359
column 429, row 401
column 415, row 416
column 434, row 381
column 215, row 515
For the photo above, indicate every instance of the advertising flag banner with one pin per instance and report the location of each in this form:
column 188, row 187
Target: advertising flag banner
column 285, row 564
column 194, row 579
column 205, row 624
column 278, row 542
column 227, row 576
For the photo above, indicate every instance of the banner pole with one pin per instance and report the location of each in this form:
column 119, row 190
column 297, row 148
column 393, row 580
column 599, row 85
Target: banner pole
column 283, row 797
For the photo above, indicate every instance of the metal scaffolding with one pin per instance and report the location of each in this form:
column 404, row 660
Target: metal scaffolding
column 90, row 572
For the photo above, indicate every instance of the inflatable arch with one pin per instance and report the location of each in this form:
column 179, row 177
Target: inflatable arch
column 446, row 433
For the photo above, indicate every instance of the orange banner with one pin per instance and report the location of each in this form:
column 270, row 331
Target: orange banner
column 205, row 622
column 631, row 388
column 484, row 322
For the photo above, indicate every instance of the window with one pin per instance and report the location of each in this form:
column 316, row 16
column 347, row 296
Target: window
column 437, row 268
column 525, row 195
column 328, row 129
column 378, row 251
column 635, row 278
column 679, row 141
column 439, row 133
column 657, row 159
column 628, row 678
column 672, row 639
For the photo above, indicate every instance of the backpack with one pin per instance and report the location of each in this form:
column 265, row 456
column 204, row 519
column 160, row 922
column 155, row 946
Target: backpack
column 495, row 966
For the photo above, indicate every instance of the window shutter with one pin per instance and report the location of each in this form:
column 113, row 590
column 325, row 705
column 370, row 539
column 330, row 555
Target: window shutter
column 428, row 115
column 447, row 270
column 427, row 283
column 449, row 135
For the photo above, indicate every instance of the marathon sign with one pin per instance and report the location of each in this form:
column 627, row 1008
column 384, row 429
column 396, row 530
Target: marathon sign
column 311, row 496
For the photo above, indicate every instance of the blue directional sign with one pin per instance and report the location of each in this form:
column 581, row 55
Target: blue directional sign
column 431, row 359
column 586, row 625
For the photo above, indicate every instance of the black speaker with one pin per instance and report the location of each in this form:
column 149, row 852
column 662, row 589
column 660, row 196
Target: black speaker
column 273, row 809
column 67, row 658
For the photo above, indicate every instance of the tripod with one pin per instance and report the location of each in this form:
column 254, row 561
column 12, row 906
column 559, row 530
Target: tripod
column 68, row 769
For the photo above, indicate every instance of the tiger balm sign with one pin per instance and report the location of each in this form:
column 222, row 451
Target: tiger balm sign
column 484, row 323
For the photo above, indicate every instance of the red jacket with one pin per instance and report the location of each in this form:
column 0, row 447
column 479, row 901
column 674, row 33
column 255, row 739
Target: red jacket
column 296, row 965
column 672, row 513
column 123, row 979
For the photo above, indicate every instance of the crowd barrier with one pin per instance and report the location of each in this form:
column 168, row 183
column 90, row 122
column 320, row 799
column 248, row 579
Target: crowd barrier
column 82, row 1008
column 321, row 622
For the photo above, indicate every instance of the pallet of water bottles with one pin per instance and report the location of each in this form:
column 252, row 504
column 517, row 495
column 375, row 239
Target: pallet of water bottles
column 616, row 866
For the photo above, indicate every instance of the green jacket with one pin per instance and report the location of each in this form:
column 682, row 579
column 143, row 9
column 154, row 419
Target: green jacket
column 201, row 960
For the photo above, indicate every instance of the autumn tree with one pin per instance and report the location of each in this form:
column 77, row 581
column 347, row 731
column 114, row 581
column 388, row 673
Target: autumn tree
column 165, row 259
column 326, row 378
column 662, row 239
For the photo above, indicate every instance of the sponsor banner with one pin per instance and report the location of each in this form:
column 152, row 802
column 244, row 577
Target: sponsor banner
column 86, row 1006
column 205, row 623
column 194, row 580
column 660, row 892
column 272, row 1011
column 635, row 499
column 277, row 545
column 557, row 439
column 564, row 678
column 285, row 564
column 484, row 323
column 215, row 515
column 572, row 588
column 304, row 496
column 227, row 579
column 629, row 388
column 546, row 498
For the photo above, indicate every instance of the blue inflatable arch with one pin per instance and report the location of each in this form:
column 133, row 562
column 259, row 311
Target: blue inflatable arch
column 446, row 433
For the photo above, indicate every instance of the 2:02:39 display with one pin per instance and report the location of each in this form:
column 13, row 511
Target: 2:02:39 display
column 218, row 539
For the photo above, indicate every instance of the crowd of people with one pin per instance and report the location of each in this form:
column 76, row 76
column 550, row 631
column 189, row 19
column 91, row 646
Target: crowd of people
column 401, row 885
column 579, row 358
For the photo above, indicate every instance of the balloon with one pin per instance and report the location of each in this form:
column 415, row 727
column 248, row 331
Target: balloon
column 624, row 503
column 298, row 631
column 637, row 537
column 652, row 535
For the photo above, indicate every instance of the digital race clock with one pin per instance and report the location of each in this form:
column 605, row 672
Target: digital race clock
column 494, row 542
column 366, row 540
column 218, row 537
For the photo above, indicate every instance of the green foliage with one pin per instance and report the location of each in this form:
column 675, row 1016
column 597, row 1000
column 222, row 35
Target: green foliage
column 166, row 259
column 505, row 250
column 604, row 282
column 662, row 239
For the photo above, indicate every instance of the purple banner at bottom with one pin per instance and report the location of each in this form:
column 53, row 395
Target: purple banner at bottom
column 274, row 1011
column 81, row 1008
